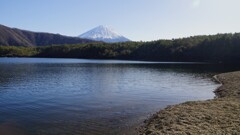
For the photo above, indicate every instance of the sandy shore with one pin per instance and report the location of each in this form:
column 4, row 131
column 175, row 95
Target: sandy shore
column 219, row 116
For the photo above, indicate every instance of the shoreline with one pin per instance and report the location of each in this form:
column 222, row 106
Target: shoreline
column 220, row 115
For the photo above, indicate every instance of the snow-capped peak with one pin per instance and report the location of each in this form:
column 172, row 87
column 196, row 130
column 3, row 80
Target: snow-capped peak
column 103, row 33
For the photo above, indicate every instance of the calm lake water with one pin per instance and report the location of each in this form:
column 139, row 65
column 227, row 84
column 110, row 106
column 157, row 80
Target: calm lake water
column 74, row 96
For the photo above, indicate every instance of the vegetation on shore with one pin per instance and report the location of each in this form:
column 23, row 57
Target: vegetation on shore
column 219, row 116
column 220, row 48
column 17, row 51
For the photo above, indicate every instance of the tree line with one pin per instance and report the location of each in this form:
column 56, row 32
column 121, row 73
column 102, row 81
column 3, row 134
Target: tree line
column 223, row 48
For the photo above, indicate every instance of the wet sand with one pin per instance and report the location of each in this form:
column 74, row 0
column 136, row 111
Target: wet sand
column 219, row 116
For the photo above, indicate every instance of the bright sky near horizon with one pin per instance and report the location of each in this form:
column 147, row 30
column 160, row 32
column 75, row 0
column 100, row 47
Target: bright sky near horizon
column 136, row 19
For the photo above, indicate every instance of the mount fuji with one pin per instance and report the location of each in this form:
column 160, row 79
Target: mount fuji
column 105, row 34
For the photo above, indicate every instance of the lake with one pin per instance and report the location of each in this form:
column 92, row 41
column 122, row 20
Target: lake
column 76, row 96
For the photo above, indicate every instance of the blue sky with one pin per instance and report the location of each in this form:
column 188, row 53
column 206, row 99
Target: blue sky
column 136, row 19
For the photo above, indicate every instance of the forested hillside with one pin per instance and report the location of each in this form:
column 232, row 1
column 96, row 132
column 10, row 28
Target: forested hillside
column 223, row 48
column 17, row 37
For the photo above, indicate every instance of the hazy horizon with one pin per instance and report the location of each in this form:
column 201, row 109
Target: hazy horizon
column 136, row 19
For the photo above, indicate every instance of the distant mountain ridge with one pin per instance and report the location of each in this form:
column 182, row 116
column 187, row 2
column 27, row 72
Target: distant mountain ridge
column 105, row 34
column 18, row 37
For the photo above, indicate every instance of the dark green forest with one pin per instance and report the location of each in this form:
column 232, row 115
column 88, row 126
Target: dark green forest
column 220, row 48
